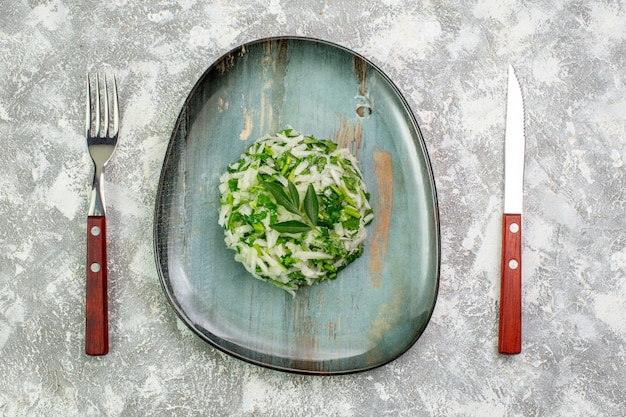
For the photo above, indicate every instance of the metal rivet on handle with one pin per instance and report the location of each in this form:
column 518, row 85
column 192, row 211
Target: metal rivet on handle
column 95, row 267
column 514, row 228
column 95, row 231
column 513, row 264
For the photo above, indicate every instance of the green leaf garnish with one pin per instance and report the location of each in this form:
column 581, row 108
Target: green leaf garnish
column 311, row 205
column 293, row 193
column 281, row 197
column 291, row 226
column 291, row 202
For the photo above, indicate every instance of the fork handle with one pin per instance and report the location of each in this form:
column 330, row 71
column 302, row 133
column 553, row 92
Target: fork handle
column 96, row 308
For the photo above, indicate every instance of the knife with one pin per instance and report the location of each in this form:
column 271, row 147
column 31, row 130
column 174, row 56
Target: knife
column 510, row 327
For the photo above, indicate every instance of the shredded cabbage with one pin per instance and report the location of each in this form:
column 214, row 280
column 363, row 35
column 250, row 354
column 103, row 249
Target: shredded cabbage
column 251, row 215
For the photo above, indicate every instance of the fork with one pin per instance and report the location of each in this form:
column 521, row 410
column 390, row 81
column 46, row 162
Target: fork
column 101, row 142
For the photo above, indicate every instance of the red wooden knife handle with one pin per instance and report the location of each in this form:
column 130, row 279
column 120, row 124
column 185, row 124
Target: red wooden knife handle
column 510, row 329
column 96, row 309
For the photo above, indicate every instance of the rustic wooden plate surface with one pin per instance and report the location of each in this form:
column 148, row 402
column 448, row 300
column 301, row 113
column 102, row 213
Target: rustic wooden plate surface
column 379, row 306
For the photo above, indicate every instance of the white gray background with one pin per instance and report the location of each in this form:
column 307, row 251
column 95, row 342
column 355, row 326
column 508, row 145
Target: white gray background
column 450, row 61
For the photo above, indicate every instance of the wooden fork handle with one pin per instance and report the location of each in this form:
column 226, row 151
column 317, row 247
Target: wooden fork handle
column 96, row 309
column 510, row 328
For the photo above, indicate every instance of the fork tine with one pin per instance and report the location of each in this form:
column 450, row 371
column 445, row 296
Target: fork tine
column 103, row 127
column 105, row 103
column 116, row 110
column 97, row 129
column 88, row 108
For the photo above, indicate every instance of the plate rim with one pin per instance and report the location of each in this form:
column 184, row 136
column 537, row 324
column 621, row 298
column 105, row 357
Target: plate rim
column 170, row 296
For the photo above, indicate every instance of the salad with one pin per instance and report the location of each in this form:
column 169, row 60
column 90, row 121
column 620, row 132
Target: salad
column 294, row 209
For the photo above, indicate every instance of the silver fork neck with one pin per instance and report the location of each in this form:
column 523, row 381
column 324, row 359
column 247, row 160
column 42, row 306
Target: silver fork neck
column 96, row 200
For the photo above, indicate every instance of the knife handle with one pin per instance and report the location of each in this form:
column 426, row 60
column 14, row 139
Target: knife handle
column 96, row 308
column 510, row 329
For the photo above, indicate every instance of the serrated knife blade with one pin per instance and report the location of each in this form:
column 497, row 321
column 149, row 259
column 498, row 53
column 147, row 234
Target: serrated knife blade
column 510, row 326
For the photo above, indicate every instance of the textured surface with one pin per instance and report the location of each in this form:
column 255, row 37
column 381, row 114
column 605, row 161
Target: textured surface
column 450, row 61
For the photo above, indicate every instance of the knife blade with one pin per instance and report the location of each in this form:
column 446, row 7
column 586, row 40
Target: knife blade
column 510, row 325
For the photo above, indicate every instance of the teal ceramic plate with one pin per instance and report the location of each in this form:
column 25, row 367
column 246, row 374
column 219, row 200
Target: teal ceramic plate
column 379, row 306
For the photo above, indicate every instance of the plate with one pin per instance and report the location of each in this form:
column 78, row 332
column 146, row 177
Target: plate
column 380, row 304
